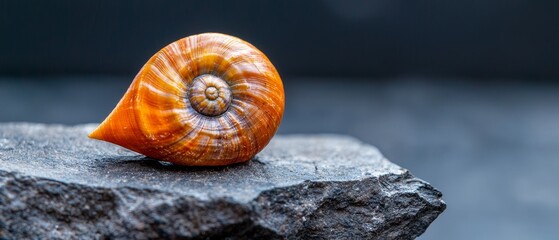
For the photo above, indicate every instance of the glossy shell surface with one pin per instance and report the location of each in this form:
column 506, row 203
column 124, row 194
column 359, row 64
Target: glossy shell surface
column 204, row 100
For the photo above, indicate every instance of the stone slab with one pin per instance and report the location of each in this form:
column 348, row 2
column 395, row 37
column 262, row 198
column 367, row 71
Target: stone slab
column 55, row 183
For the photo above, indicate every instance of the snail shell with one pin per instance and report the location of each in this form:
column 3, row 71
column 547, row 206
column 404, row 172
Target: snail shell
column 204, row 100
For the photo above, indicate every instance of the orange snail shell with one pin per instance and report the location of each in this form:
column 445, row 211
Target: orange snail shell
column 204, row 100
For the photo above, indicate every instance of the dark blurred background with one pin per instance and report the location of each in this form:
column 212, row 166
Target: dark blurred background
column 367, row 38
column 462, row 93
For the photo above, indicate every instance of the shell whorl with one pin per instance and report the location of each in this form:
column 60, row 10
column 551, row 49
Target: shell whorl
column 208, row 99
column 209, row 95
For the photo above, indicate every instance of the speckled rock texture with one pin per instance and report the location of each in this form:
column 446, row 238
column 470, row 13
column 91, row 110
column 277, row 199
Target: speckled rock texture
column 55, row 183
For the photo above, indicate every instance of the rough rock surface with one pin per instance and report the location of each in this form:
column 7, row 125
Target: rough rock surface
column 55, row 183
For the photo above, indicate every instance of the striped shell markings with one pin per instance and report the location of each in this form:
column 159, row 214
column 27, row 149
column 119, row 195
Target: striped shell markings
column 204, row 100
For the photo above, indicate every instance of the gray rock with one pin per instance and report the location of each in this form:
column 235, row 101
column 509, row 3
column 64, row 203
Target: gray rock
column 55, row 183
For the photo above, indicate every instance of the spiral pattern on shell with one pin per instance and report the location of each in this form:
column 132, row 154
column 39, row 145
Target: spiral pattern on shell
column 204, row 100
